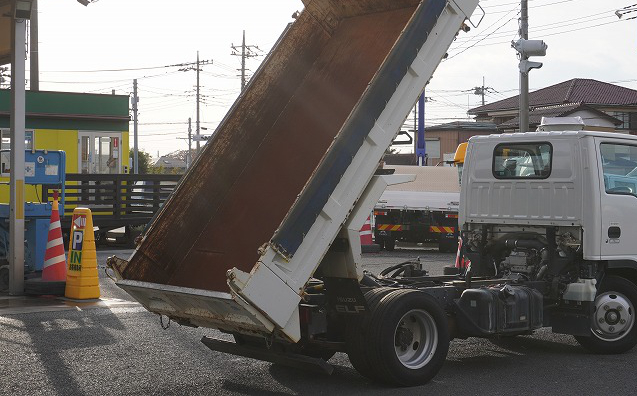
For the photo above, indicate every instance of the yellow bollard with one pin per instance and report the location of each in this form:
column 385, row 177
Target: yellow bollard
column 82, row 282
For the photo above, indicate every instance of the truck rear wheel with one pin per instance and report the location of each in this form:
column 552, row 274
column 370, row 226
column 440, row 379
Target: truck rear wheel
column 380, row 241
column 613, row 327
column 408, row 338
column 390, row 244
column 357, row 347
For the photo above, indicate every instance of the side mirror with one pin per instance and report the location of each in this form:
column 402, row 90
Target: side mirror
column 621, row 190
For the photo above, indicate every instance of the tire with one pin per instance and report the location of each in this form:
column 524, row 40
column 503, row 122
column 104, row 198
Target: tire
column 4, row 277
column 451, row 270
column 131, row 235
column 100, row 239
column 408, row 340
column 615, row 302
column 356, row 345
column 447, row 246
column 390, row 244
column 380, row 241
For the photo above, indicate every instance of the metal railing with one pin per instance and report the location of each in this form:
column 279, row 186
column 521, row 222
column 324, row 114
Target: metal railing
column 115, row 200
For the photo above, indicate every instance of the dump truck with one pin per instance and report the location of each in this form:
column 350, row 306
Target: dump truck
column 549, row 244
column 268, row 217
column 424, row 211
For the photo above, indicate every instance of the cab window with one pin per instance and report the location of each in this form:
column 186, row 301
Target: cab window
column 522, row 160
column 619, row 164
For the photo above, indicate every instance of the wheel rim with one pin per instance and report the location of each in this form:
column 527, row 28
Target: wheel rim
column 415, row 339
column 614, row 316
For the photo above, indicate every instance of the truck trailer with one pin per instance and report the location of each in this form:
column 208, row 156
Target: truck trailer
column 424, row 211
column 548, row 243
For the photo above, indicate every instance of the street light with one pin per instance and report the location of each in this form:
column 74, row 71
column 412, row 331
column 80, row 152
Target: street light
column 525, row 49
column 22, row 9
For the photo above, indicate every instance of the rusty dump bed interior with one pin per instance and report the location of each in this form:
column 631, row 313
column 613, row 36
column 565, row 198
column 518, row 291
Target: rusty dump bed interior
column 249, row 175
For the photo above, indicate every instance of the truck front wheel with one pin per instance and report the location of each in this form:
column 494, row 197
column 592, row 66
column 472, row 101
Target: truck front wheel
column 407, row 339
column 613, row 328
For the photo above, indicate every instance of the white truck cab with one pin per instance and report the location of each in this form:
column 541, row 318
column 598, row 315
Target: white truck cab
column 558, row 210
column 582, row 183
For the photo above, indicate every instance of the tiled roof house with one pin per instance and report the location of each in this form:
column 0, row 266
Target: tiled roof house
column 602, row 106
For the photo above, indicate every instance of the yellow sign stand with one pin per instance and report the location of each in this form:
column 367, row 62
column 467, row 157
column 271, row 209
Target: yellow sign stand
column 82, row 282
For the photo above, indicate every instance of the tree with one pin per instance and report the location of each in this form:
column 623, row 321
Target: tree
column 144, row 160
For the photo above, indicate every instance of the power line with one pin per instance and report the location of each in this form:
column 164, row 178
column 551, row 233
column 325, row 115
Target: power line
column 163, row 123
column 110, row 81
column 545, row 35
column 127, row 69
column 482, row 39
column 537, row 6
column 561, row 23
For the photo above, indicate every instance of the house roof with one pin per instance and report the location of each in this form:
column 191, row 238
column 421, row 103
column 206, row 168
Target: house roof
column 69, row 110
column 464, row 125
column 577, row 90
column 535, row 115
column 168, row 162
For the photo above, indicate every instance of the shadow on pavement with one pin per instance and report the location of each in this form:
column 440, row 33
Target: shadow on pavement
column 51, row 337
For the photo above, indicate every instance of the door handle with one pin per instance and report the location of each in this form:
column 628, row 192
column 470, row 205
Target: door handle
column 614, row 232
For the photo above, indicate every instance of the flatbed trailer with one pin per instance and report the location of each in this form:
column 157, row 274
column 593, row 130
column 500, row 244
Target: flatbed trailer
column 424, row 211
column 304, row 140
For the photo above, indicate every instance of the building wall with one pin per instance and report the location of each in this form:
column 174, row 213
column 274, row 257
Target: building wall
column 67, row 141
column 449, row 140
column 58, row 139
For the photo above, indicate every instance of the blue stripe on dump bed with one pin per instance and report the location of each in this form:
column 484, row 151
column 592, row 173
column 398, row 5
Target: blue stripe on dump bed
column 309, row 205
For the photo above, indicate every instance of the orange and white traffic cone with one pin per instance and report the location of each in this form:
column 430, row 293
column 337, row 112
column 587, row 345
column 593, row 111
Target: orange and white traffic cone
column 367, row 244
column 366, row 233
column 54, row 268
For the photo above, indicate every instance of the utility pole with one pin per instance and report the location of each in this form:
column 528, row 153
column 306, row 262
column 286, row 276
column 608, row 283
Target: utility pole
column 243, row 61
column 246, row 51
column 420, row 144
column 525, row 49
column 198, row 131
column 481, row 91
column 16, row 181
column 135, row 147
column 188, row 67
column 189, row 155
column 34, row 80
column 524, row 77
column 421, row 148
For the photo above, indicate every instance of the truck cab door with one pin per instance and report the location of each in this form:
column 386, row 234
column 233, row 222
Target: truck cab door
column 617, row 164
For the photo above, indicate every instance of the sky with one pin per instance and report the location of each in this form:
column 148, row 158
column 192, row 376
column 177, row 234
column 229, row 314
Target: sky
column 104, row 46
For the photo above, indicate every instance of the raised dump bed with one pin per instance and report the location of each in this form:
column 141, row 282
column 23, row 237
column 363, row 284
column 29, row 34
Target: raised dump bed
column 255, row 215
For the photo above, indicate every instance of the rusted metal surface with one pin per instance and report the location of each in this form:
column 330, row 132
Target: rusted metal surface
column 246, row 179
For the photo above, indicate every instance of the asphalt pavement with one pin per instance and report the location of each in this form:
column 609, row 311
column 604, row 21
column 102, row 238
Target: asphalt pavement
column 116, row 347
